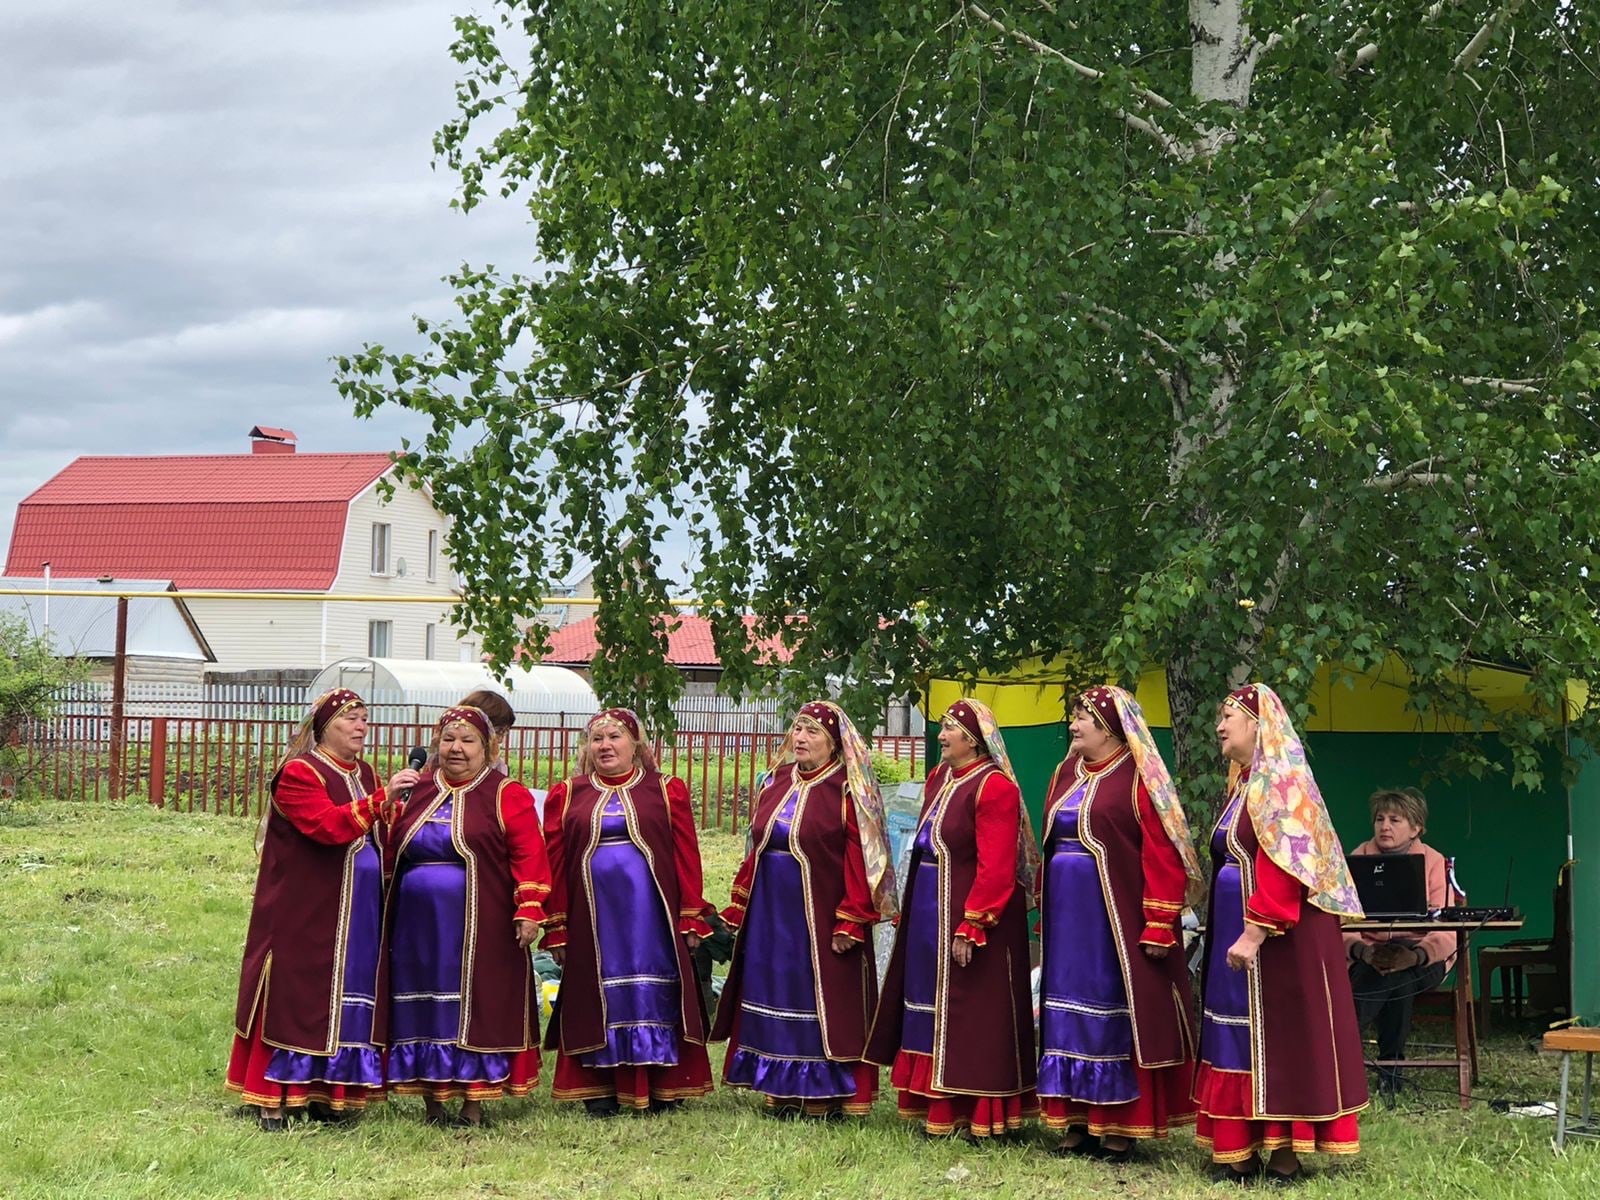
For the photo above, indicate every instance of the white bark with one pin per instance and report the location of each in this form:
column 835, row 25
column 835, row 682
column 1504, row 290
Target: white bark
column 1222, row 55
column 1474, row 49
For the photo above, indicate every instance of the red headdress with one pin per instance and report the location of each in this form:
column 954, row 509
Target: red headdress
column 330, row 705
column 1101, row 704
column 465, row 714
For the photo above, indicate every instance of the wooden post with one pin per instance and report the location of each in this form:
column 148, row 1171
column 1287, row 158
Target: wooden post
column 119, row 692
column 158, row 762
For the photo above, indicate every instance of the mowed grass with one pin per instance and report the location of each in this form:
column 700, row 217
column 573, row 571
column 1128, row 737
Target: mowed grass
column 119, row 956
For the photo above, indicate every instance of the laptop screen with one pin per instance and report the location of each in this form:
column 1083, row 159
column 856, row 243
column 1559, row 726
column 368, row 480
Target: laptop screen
column 1390, row 885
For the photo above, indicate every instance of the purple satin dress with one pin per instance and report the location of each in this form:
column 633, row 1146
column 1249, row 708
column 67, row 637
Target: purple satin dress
column 780, row 1035
column 356, row 1060
column 922, row 946
column 1225, row 1015
column 1085, row 1024
column 638, row 953
column 430, row 921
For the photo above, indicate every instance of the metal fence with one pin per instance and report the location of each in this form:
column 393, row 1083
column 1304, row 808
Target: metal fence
column 246, row 701
column 224, row 765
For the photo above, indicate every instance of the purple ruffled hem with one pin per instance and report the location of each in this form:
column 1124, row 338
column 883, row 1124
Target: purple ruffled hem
column 636, row 1046
column 358, row 1066
column 790, row 1079
column 445, row 1062
column 1088, row 1082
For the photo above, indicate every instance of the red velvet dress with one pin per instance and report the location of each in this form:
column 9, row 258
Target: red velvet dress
column 1280, row 1053
column 1114, row 1021
column 796, row 1013
column 960, row 1039
column 309, row 924
column 464, row 865
column 626, row 880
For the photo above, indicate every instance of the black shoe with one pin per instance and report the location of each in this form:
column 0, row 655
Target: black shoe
column 439, row 1120
column 1087, row 1146
column 777, row 1112
column 1230, row 1172
column 1272, row 1178
column 271, row 1124
column 1106, row 1154
column 602, row 1107
column 663, row 1106
column 324, row 1115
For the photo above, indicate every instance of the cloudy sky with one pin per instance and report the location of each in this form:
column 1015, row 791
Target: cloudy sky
column 200, row 202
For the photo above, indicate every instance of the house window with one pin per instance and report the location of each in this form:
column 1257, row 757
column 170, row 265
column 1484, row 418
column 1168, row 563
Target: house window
column 433, row 558
column 380, row 637
column 380, row 549
column 427, row 640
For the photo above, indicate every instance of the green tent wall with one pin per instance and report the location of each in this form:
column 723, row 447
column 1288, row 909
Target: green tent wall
column 1505, row 841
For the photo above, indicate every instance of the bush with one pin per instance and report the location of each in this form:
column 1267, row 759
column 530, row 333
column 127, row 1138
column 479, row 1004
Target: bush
column 30, row 676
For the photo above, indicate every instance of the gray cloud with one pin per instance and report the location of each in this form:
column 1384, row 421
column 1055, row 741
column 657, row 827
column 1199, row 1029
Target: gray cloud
column 200, row 203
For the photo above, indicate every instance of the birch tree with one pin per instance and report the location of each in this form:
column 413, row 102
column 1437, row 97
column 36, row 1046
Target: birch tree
column 1239, row 338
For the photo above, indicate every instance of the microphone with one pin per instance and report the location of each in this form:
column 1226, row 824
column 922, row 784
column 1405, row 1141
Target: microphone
column 418, row 760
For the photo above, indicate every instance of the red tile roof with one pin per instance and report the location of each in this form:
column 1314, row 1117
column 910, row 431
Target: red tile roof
column 272, row 521
column 688, row 645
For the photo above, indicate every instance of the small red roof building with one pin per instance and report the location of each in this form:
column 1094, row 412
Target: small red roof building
column 689, row 645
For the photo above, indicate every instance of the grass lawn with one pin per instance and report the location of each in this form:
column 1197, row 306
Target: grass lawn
column 119, row 960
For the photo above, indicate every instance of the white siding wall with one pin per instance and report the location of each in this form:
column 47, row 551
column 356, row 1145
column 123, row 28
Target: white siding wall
column 410, row 516
column 249, row 634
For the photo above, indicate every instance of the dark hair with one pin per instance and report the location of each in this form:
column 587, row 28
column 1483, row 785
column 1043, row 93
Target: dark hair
column 495, row 706
column 1407, row 803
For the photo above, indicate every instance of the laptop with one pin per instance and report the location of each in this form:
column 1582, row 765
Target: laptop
column 1390, row 885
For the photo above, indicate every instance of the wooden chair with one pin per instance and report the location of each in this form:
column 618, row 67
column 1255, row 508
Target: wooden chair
column 1513, row 958
column 1568, row 1042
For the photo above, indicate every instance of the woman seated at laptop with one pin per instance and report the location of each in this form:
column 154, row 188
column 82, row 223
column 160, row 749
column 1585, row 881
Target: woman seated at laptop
column 1388, row 970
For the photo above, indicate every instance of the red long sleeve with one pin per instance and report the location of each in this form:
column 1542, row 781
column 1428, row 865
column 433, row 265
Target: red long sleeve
column 734, row 913
column 692, row 906
column 304, row 802
column 1275, row 904
column 995, row 820
column 1164, row 878
column 555, row 907
column 530, row 867
column 856, row 911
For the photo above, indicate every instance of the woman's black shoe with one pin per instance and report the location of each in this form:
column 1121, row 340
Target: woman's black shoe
column 602, row 1107
column 1088, row 1146
column 1230, row 1172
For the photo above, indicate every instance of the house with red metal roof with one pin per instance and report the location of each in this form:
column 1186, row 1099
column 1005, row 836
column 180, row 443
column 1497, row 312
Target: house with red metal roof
column 689, row 647
column 309, row 527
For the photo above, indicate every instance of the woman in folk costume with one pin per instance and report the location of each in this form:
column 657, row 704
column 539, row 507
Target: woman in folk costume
column 803, row 985
column 308, row 1031
column 1280, row 1053
column 624, row 913
column 955, row 1020
column 1116, row 1018
column 467, row 899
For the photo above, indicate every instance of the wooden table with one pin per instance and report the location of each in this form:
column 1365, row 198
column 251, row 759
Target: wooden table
column 1465, row 1062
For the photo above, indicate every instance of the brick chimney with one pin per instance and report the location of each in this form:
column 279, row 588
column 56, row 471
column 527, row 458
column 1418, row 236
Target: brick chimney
column 266, row 440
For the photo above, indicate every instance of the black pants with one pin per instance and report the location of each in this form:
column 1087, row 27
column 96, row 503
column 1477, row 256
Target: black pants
column 1387, row 1000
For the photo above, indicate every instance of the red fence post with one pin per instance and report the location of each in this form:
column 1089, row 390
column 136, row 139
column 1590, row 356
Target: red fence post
column 158, row 762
